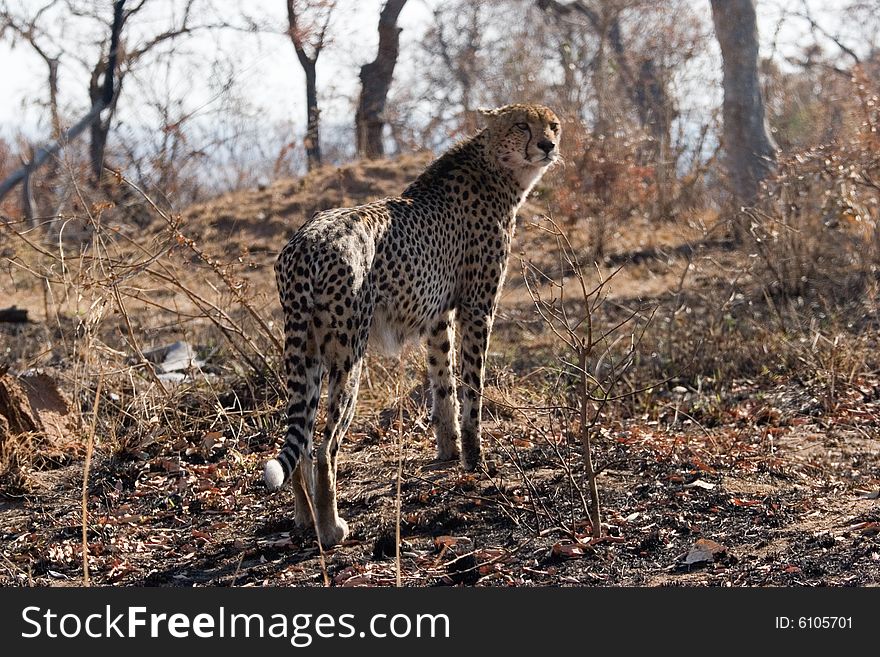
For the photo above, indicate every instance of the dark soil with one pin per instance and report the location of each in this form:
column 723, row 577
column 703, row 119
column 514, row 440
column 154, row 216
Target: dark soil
column 789, row 503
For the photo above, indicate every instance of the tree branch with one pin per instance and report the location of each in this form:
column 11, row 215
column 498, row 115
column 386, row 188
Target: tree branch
column 296, row 36
column 816, row 28
column 171, row 34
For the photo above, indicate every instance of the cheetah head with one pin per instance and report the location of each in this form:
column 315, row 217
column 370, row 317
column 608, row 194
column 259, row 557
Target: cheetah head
column 523, row 139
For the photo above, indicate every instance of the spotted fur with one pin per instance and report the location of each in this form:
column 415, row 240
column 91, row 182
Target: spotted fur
column 413, row 266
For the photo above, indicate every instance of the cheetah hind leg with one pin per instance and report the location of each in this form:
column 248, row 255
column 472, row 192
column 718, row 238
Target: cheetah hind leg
column 444, row 405
column 341, row 400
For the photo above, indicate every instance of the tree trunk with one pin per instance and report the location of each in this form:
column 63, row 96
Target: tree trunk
column 52, row 169
column 30, row 208
column 602, row 122
column 750, row 152
column 656, row 110
column 308, row 63
column 52, row 64
column 28, row 204
column 375, row 81
column 654, row 106
column 99, row 130
column 570, row 87
column 313, row 136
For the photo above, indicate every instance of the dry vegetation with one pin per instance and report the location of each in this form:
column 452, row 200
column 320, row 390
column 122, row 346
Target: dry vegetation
column 743, row 411
column 723, row 364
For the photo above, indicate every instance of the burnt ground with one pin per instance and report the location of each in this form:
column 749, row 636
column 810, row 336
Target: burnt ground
column 787, row 496
column 749, row 458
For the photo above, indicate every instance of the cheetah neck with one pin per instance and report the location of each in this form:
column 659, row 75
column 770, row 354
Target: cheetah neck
column 470, row 158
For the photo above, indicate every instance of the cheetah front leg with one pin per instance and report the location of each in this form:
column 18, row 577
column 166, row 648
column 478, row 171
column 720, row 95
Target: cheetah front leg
column 474, row 325
column 444, row 406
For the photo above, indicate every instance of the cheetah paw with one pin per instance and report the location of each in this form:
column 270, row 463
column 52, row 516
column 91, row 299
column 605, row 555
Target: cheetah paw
column 333, row 534
column 448, row 453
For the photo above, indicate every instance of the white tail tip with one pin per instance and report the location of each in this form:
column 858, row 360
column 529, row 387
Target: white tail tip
column 273, row 474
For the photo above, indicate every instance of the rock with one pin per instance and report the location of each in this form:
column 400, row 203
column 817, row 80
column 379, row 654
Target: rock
column 53, row 409
column 699, row 483
column 15, row 407
column 172, row 377
column 14, row 315
column 38, row 426
column 705, row 551
column 4, row 429
column 178, row 356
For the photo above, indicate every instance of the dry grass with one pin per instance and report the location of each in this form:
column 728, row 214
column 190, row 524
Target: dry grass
column 710, row 333
column 104, row 293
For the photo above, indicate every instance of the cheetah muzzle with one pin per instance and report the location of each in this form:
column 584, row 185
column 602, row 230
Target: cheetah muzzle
column 426, row 264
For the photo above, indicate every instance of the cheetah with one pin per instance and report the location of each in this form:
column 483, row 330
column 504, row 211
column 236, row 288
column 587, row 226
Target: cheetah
column 414, row 266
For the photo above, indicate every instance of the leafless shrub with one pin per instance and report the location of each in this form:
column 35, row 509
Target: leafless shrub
column 606, row 182
column 815, row 227
column 114, row 294
column 593, row 359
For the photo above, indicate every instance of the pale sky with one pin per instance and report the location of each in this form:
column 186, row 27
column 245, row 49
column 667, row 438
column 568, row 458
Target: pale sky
column 267, row 69
column 266, row 66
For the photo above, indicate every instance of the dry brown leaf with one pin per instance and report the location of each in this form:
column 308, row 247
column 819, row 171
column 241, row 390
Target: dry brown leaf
column 569, row 550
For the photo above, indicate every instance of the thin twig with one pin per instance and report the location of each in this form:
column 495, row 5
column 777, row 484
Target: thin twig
column 90, row 444
column 397, row 501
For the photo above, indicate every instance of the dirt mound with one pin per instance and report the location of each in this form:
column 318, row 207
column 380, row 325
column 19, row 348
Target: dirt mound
column 256, row 218
column 50, row 406
column 37, row 422
column 15, row 408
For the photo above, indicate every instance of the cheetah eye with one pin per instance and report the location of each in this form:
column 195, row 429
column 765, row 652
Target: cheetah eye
column 554, row 126
column 523, row 126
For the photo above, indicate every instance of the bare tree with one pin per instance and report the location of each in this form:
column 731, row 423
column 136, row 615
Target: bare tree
column 376, row 79
column 102, row 102
column 627, row 54
column 749, row 149
column 30, row 30
column 117, row 57
column 310, row 35
column 458, row 45
column 463, row 63
column 128, row 59
column 641, row 79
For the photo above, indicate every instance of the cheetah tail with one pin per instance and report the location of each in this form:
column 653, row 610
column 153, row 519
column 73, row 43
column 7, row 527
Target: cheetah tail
column 304, row 372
